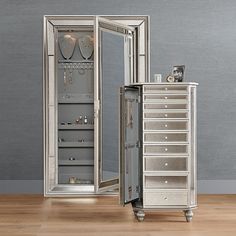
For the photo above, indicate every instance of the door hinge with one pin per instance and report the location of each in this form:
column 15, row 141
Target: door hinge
column 138, row 144
column 139, row 99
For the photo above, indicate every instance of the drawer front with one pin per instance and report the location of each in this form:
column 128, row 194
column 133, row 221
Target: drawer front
column 165, row 182
column 166, row 106
column 165, row 164
column 166, row 125
column 165, row 89
column 165, row 149
column 170, row 198
column 165, row 137
column 165, row 98
column 164, row 115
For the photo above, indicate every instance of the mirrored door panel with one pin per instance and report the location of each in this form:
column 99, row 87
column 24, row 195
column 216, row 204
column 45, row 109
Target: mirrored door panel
column 112, row 57
column 114, row 52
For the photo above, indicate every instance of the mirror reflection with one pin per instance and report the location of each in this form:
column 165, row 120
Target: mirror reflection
column 112, row 55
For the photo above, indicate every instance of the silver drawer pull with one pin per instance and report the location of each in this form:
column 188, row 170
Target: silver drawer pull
column 166, row 106
column 166, row 137
column 166, row 115
column 166, row 164
column 166, row 198
column 166, row 97
column 166, row 125
column 166, row 181
column 166, row 149
column 166, row 88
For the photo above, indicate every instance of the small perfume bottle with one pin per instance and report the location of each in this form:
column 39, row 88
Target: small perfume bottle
column 85, row 120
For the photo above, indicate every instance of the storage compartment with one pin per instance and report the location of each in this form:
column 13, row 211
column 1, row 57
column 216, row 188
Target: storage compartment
column 75, row 156
column 165, row 149
column 156, row 106
column 165, row 164
column 166, row 198
column 165, row 89
column 165, row 125
column 75, row 175
column 72, row 114
column 165, row 182
column 165, row 137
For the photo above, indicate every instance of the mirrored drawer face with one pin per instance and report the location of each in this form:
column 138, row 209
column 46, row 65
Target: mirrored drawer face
column 165, row 149
column 165, row 106
column 165, row 164
column 165, row 89
column 172, row 198
column 165, row 98
column 169, row 115
column 165, row 137
column 165, row 125
column 166, row 182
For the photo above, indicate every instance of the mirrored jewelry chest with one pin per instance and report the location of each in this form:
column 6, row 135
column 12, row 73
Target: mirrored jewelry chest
column 158, row 147
column 86, row 60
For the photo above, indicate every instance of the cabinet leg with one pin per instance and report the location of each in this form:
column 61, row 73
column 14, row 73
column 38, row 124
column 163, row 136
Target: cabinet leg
column 140, row 215
column 188, row 215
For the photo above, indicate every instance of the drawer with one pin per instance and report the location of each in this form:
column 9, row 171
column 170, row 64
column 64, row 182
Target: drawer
column 164, row 106
column 165, row 182
column 165, row 137
column 165, row 89
column 170, row 198
column 165, row 125
column 165, row 164
column 170, row 98
column 164, row 115
column 165, row 149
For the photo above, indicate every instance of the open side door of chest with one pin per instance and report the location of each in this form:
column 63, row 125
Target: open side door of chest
column 129, row 145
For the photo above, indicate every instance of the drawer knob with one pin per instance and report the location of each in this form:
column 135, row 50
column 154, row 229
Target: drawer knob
column 166, row 149
column 166, row 164
column 166, row 125
column 166, row 115
column 166, row 97
column 166, row 181
column 166, row 106
column 166, row 137
column 166, row 88
column 165, row 198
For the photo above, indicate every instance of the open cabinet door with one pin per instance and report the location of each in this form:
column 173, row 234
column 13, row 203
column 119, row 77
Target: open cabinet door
column 129, row 145
column 113, row 69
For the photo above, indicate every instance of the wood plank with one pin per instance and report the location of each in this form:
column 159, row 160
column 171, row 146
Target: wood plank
column 31, row 215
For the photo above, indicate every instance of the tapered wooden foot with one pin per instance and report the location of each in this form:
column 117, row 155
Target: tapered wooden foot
column 188, row 215
column 140, row 215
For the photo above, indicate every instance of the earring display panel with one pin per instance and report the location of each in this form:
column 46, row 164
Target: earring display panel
column 75, row 90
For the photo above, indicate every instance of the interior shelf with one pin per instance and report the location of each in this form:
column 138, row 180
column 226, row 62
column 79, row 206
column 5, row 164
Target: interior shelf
column 75, row 98
column 75, row 144
column 76, row 127
column 76, row 162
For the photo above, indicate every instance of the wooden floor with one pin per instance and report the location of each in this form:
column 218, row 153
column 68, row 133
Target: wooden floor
column 33, row 215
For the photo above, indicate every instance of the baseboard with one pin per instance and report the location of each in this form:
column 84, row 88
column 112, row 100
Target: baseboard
column 21, row 186
column 36, row 186
column 217, row 186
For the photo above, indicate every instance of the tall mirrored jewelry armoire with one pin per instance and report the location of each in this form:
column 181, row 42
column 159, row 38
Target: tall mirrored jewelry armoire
column 86, row 60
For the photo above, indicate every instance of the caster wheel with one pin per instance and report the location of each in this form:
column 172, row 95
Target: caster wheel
column 140, row 215
column 188, row 215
